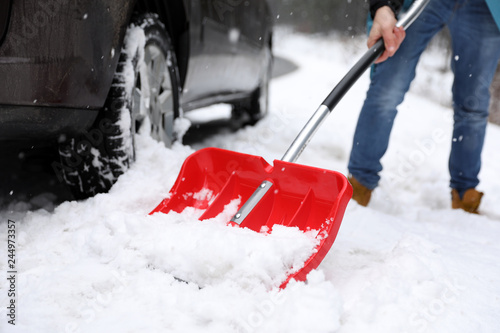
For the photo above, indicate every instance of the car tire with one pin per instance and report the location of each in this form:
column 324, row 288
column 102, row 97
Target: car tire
column 250, row 110
column 144, row 96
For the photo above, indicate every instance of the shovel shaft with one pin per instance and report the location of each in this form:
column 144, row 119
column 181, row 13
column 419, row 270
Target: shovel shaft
column 331, row 101
column 354, row 74
column 305, row 135
column 307, row 132
column 413, row 12
column 301, row 141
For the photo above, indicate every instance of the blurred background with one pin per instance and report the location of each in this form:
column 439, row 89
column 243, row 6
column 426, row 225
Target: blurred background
column 322, row 16
column 348, row 17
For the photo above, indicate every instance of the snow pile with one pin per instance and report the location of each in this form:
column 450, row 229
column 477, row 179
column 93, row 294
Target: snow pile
column 407, row 263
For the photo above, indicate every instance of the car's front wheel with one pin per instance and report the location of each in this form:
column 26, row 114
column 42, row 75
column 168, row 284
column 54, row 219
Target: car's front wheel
column 144, row 97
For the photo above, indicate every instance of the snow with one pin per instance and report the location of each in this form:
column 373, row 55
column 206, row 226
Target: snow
column 406, row 263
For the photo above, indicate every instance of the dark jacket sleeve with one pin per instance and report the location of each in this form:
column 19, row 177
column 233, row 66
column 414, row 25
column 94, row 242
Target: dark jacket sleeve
column 395, row 5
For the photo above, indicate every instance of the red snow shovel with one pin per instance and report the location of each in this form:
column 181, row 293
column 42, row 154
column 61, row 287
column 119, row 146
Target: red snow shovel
column 285, row 193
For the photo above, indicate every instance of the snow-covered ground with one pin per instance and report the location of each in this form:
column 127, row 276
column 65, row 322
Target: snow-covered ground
column 407, row 263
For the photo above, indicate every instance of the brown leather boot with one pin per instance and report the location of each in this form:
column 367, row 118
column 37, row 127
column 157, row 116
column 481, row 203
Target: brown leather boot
column 360, row 193
column 470, row 201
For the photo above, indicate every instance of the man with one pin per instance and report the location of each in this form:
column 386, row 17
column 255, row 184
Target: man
column 474, row 27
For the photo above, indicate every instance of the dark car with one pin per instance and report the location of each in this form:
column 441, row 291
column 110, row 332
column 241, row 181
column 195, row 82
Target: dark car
column 87, row 75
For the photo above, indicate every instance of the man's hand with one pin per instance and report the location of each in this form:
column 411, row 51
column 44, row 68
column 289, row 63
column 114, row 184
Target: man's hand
column 384, row 26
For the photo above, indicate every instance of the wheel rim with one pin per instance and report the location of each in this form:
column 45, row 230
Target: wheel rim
column 153, row 96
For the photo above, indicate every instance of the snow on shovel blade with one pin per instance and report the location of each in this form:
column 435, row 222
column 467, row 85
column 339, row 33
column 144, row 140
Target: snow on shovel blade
column 305, row 197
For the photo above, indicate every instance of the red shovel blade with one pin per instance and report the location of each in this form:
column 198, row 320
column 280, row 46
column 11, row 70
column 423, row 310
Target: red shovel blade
column 301, row 196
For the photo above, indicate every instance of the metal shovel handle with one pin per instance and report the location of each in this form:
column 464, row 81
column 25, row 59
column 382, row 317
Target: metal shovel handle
column 301, row 141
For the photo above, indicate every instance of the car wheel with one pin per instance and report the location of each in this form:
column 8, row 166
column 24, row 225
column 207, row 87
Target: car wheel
column 250, row 110
column 144, row 97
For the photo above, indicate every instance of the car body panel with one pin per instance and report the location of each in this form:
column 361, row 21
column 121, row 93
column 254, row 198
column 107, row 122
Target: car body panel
column 226, row 47
column 4, row 17
column 43, row 66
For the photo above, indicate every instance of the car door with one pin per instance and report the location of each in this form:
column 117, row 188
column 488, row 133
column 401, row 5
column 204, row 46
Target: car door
column 225, row 55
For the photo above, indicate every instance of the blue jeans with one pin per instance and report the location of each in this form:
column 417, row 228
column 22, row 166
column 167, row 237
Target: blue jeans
column 476, row 51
